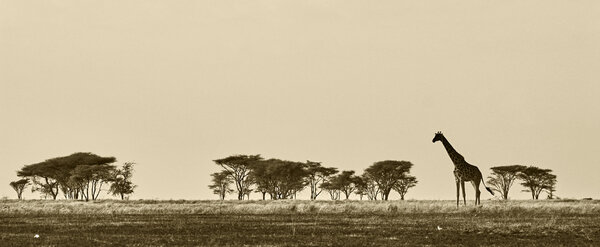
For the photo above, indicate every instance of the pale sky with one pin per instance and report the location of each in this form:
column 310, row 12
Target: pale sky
column 173, row 85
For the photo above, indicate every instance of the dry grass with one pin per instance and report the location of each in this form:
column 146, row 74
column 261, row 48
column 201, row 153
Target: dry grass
column 298, row 223
column 509, row 208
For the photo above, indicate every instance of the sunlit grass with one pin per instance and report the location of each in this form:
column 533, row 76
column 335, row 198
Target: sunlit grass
column 512, row 208
column 298, row 223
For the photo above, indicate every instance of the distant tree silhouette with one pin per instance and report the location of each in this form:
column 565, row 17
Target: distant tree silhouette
column 281, row 179
column 317, row 174
column 503, row 177
column 386, row 174
column 92, row 178
column 344, row 182
column 369, row 186
column 220, row 184
column 536, row 180
column 404, row 184
column 238, row 167
column 331, row 188
column 19, row 186
column 361, row 187
column 54, row 175
column 550, row 188
column 121, row 181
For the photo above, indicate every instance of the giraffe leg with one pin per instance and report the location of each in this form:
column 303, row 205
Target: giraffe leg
column 462, row 184
column 477, row 193
column 457, row 192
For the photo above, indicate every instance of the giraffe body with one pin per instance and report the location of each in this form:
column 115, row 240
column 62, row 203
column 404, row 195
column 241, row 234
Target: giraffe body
column 463, row 171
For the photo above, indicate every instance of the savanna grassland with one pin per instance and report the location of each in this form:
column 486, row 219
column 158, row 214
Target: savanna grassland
column 298, row 223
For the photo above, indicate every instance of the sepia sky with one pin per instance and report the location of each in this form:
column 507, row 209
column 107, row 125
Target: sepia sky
column 173, row 85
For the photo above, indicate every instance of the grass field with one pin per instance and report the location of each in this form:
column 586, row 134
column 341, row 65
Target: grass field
column 304, row 223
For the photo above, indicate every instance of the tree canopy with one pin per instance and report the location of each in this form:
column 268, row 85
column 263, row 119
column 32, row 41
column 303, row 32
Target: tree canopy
column 238, row 167
column 345, row 182
column 536, row 180
column 19, row 186
column 503, row 177
column 220, row 184
column 79, row 175
column 386, row 174
column 316, row 175
column 404, row 184
column 281, row 179
column 121, row 181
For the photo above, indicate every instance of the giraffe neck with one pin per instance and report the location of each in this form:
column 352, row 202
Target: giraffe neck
column 456, row 158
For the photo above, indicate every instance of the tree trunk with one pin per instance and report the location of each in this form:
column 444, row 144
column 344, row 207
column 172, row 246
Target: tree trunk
column 87, row 191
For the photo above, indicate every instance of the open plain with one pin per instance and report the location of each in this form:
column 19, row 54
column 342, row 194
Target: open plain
column 298, row 223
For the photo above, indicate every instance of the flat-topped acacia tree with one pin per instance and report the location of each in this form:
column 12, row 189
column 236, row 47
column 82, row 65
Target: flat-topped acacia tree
column 503, row 177
column 316, row 175
column 386, row 174
column 404, row 184
column 238, row 168
column 19, row 186
column 76, row 175
column 345, row 182
column 281, row 179
column 536, row 180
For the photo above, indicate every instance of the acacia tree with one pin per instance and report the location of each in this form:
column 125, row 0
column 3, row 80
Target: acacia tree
column 345, row 182
column 238, row 168
column 360, row 187
column 387, row 173
column 220, row 184
column 550, row 188
column 54, row 175
column 536, row 180
column 404, row 184
column 19, row 186
column 293, row 178
column 92, row 178
column 317, row 174
column 503, row 177
column 43, row 176
column 281, row 179
column 262, row 179
column 121, row 181
column 332, row 188
column 370, row 187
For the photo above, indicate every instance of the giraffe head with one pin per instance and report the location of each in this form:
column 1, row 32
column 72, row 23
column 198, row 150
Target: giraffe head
column 438, row 136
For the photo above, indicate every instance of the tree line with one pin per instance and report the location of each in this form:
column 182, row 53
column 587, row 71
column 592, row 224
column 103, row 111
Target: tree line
column 79, row 176
column 535, row 180
column 82, row 176
column 283, row 179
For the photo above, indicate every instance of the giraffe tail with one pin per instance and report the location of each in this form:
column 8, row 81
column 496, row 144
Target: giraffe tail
column 487, row 188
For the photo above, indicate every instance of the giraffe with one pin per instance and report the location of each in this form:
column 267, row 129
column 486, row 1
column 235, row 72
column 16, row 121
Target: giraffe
column 463, row 171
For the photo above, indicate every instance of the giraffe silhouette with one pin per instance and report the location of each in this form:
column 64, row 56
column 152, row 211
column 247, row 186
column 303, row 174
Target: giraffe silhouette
column 463, row 171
